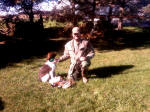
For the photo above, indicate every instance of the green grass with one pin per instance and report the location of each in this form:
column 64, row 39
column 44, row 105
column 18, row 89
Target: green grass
column 133, row 29
column 122, row 85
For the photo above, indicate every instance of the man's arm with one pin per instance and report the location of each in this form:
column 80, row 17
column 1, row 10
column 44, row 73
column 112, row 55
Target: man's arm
column 65, row 56
column 91, row 52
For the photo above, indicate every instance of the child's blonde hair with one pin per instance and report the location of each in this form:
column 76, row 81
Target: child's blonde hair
column 51, row 55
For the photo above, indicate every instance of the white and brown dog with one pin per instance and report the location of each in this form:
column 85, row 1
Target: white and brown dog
column 47, row 71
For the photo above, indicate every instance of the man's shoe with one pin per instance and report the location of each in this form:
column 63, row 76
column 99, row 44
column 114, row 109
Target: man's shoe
column 85, row 80
column 66, row 85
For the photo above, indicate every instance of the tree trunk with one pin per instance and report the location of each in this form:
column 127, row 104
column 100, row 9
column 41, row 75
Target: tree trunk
column 31, row 16
column 120, row 24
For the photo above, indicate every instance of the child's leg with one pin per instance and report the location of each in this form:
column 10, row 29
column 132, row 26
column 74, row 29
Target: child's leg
column 45, row 78
column 54, row 80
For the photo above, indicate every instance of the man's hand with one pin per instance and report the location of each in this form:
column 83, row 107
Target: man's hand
column 82, row 58
column 56, row 60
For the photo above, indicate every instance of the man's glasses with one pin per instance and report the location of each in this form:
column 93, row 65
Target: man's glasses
column 76, row 33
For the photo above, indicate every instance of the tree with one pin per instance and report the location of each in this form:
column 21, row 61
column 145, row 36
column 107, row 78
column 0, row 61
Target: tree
column 25, row 5
column 107, row 8
column 27, row 30
column 146, row 10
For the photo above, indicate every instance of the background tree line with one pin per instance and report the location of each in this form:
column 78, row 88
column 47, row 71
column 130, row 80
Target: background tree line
column 96, row 13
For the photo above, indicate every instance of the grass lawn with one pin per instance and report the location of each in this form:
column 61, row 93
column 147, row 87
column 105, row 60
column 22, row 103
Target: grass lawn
column 119, row 82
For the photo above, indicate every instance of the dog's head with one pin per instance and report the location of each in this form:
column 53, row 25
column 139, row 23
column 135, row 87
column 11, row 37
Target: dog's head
column 51, row 55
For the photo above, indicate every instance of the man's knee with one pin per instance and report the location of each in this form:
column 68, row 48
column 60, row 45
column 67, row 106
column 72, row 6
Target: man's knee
column 85, row 64
column 74, row 75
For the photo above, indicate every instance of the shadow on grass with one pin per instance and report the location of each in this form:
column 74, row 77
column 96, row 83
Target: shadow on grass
column 29, row 40
column 104, row 72
column 32, row 40
column 16, row 51
column 2, row 104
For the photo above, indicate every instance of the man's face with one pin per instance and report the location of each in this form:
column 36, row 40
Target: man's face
column 76, row 34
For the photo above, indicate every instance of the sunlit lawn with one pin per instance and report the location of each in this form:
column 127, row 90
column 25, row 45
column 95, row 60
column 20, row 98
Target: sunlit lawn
column 120, row 83
column 133, row 29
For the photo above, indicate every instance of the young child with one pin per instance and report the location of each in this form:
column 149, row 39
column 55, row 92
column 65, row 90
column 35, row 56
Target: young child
column 47, row 71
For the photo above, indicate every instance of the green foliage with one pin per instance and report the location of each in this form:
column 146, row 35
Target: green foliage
column 146, row 9
column 54, row 23
column 119, row 83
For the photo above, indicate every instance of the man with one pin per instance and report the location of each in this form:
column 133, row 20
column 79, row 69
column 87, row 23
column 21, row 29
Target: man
column 80, row 51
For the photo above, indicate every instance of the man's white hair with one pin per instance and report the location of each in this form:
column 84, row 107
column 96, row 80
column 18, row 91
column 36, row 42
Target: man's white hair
column 76, row 29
